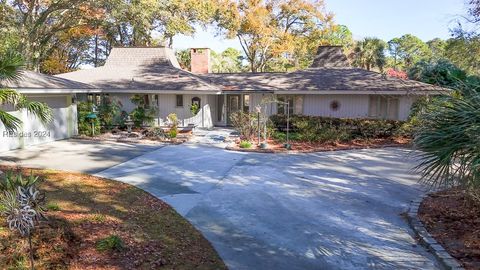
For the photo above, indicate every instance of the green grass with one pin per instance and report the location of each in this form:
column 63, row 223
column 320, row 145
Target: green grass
column 52, row 206
column 110, row 243
column 245, row 144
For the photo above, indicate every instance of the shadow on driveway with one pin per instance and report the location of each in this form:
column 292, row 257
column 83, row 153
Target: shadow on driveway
column 76, row 155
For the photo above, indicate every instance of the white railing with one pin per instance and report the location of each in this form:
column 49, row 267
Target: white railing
column 202, row 119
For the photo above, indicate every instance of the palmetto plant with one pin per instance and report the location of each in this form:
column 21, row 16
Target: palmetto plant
column 11, row 64
column 448, row 137
column 21, row 203
column 370, row 53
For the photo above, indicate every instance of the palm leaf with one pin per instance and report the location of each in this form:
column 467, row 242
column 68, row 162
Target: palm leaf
column 39, row 109
column 10, row 122
column 448, row 138
column 11, row 64
column 8, row 96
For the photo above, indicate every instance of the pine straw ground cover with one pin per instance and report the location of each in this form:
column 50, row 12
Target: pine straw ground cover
column 277, row 146
column 454, row 221
column 84, row 209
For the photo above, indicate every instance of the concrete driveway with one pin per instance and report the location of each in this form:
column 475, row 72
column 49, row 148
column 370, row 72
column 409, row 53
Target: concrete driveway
column 336, row 210
column 75, row 155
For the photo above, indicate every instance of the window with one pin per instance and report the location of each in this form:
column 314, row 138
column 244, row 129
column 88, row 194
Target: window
column 146, row 101
column 383, row 107
column 197, row 100
column 295, row 104
column 179, row 99
column 98, row 100
column 246, row 103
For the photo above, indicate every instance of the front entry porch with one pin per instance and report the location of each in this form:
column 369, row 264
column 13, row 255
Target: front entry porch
column 227, row 104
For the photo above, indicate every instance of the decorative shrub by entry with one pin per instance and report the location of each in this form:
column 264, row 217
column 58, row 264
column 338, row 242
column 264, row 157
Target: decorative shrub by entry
column 311, row 128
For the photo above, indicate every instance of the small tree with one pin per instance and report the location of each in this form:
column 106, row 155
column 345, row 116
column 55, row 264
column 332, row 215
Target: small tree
column 173, row 123
column 245, row 123
column 448, row 139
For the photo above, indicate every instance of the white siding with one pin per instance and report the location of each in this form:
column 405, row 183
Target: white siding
column 351, row 106
column 257, row 99
column 53, row 101
column 405, row 106
column 167, row 105
column 124, row 99
column 32, row 131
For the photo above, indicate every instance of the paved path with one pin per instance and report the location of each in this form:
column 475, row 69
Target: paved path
column 336, row 210
column 75, row 155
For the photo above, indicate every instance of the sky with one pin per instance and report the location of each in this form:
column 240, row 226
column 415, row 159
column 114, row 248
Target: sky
column 384, row 19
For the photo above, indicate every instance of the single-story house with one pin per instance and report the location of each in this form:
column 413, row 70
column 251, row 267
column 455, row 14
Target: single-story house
column 330, row 87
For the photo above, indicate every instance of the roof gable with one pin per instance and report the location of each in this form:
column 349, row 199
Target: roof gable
column 142, row 68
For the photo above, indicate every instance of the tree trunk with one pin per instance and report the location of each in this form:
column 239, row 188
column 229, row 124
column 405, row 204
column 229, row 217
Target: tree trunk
column 95, row 61
column 31, row 252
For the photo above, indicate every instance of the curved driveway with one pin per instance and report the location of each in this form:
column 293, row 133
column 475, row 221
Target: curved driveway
column 335, row 210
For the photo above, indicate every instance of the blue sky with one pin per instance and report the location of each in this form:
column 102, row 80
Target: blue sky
column 385, row 19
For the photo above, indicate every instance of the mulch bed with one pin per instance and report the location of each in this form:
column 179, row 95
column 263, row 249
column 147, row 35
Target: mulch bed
column 454, row 221
column 88, row 209
column 310, row 147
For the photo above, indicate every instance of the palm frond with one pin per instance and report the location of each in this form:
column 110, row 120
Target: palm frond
column 11, row 64
column 39, row 109
column 448, row 138
column 10, row 122
column 8, row 96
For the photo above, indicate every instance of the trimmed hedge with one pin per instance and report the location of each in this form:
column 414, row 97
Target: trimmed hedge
column 355, row 128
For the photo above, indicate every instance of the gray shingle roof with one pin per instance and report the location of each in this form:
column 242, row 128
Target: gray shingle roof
column 140, row 69
column 130, row 69
column 35, row 80
column 318, row 79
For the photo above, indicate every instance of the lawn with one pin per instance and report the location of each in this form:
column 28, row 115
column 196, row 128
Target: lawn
column 83, row 210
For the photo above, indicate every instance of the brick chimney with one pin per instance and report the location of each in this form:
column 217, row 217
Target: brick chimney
column 200, row 60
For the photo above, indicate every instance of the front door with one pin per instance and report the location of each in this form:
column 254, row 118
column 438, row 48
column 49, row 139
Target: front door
column 233, row 105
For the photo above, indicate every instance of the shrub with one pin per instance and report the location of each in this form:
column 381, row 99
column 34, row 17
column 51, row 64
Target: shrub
column 110, row 243
column 156, row 133
column 173, row 123
column 12, row 180
column 310, row 127
column 245, row 123
column 449, row 141
column 21, row 204
column 194, row 109
column 142, row 114
column 109, row 114
column 84, row 123
column 282, row 136
column 172, row 133
column 245, row 144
